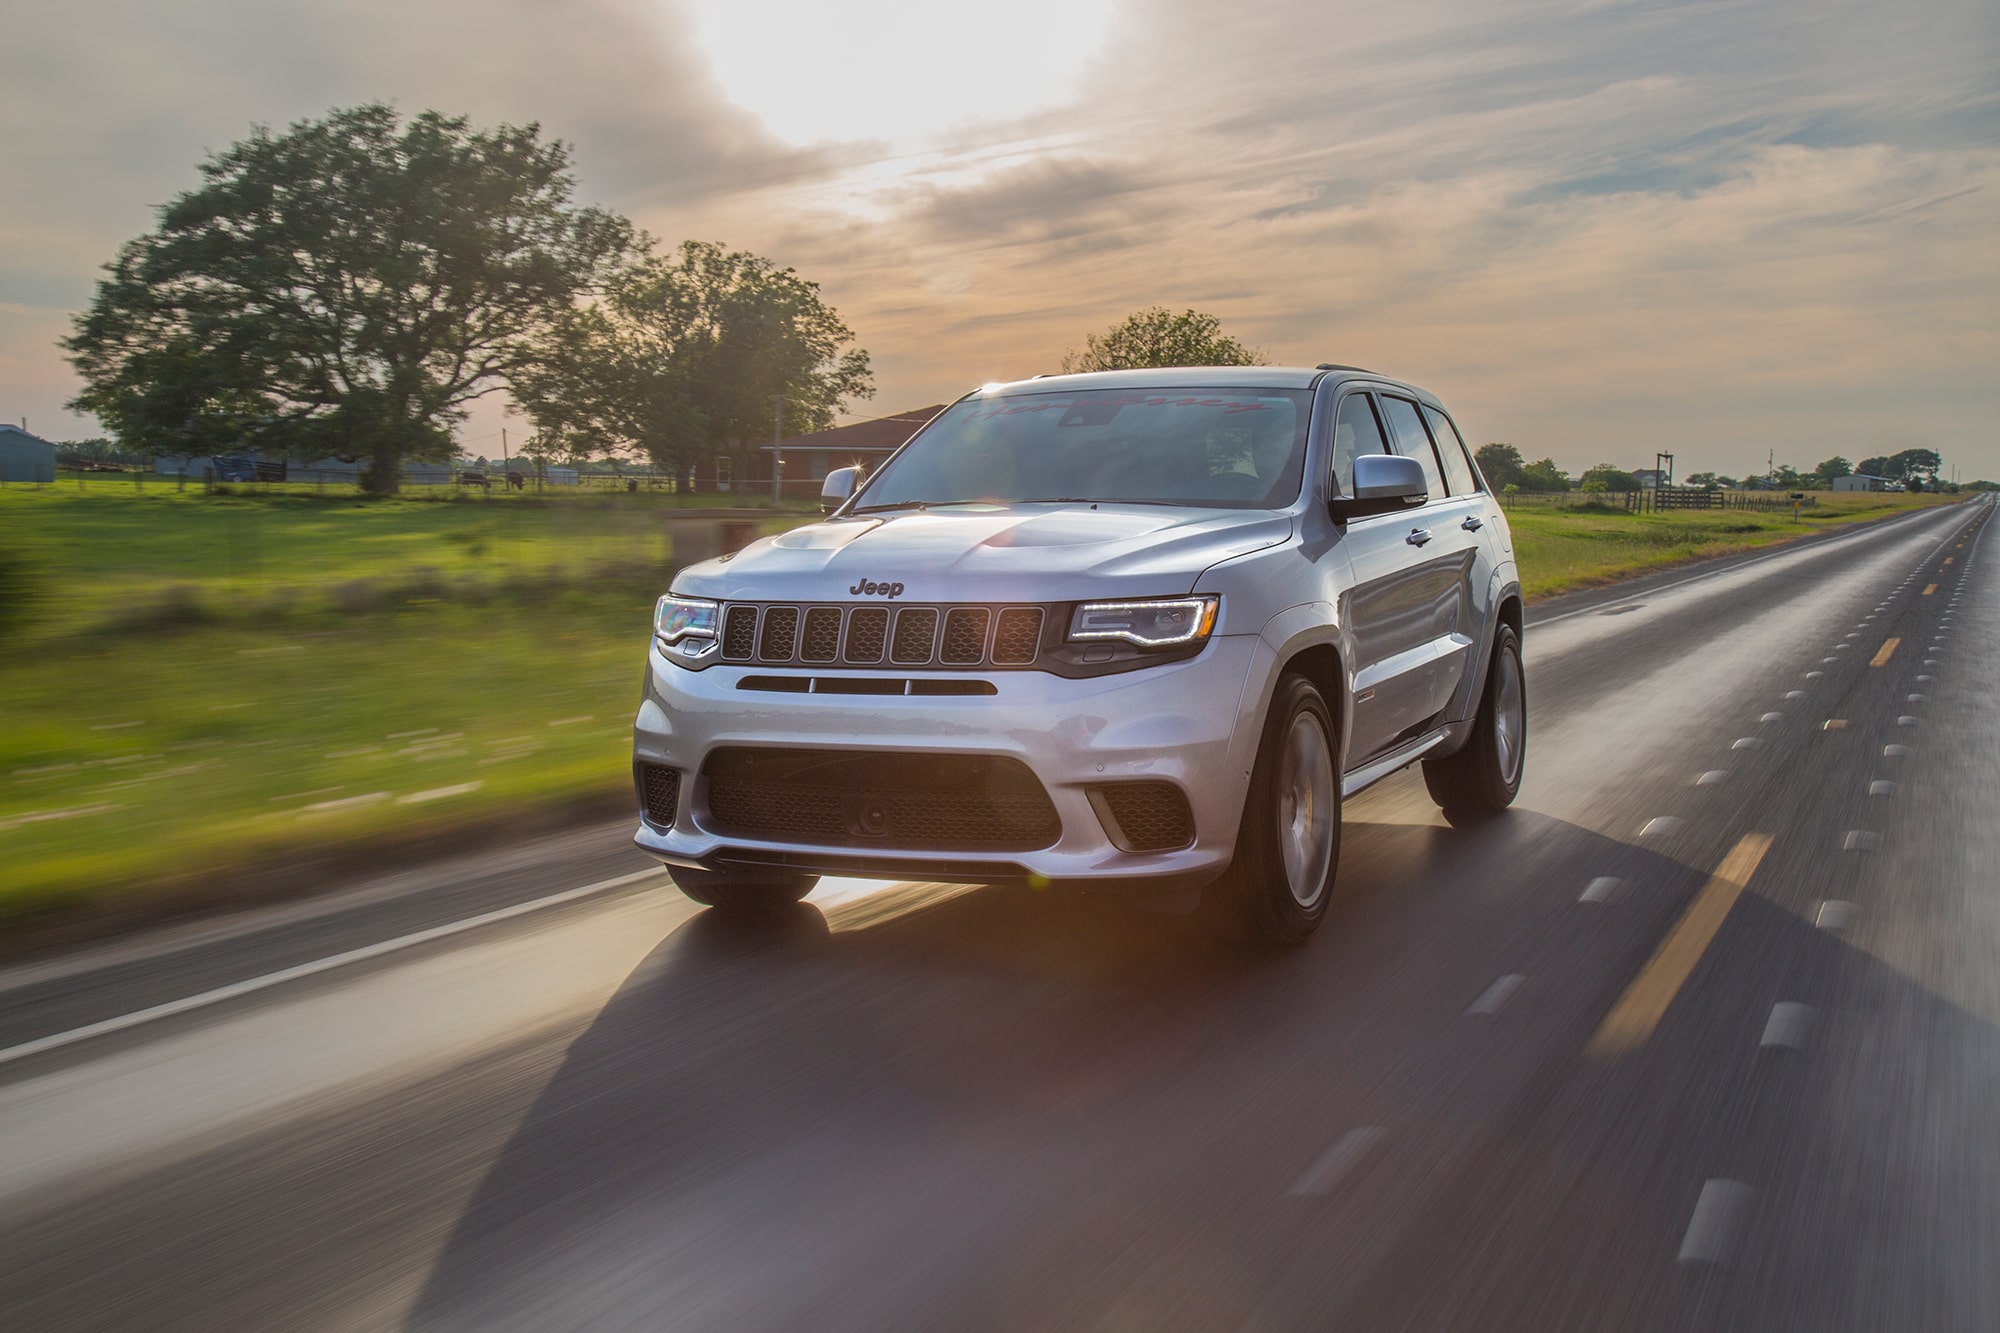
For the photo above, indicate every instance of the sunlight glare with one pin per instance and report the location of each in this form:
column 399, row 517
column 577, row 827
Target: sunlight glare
column 895, row 70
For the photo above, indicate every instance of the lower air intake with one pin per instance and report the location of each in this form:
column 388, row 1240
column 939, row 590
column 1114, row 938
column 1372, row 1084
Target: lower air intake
column 1145, row 816
column 659, row 795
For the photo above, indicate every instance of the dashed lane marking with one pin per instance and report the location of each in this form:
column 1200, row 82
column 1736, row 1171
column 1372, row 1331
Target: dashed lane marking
column 1834, row 724
column 1494, row 996
column 1787, row 1025
column 1884, row 653
column 1835, row 914
column 1599, row 889
column 1717, row 1224
column 1336, row 1162
column 1639, row 1010
column 1929, row 588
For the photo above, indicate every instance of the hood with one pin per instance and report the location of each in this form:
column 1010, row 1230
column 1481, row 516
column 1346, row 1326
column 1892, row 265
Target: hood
column 997, row 553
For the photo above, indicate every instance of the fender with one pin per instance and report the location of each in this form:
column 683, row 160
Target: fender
column 1505, row 584
column 1284, row 636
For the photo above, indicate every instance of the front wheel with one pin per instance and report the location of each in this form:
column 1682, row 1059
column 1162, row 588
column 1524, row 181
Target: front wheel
column 742, row 891
column 1289, row 842
column 1483, row 778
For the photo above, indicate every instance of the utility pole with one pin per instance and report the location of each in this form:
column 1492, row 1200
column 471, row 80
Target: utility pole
column 503, row 448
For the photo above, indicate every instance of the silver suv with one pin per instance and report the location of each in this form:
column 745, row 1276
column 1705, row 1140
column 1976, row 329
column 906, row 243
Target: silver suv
column 1138, row 629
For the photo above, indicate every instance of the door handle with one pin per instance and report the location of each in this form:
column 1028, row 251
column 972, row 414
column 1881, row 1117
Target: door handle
column 1473, row 523
column 1418, row 537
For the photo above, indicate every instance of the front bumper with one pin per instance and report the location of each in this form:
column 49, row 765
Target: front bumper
column 1183, row 722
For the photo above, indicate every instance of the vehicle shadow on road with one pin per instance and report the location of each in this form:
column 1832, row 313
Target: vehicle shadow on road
column 1013, row 1109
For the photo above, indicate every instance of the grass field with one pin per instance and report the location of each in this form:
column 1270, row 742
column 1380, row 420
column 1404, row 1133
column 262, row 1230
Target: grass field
column 1559, row 549
column 212, row 682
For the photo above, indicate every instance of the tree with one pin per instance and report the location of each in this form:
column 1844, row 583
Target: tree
column 1500, row 464
column 685, row 354
column 345, row 288
column 1914, row 464
column 1612, row 477
column 1831, row 470
column 1710, row 481
column 1544, row 476
column 1157, row 336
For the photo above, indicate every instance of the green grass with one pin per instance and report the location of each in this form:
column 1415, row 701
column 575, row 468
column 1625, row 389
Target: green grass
column 1559, row 549
column 212, row 682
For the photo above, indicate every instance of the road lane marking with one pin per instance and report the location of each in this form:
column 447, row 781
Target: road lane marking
column 1494, row 996
column 1881, row 788
column 1745, row 743
column 1718, row 1220
column 1661, row 824
column 1834, row 724
column 1860, row 840
column 1336, row 1162
column 1715, row 777
column 1929, row 588
column 1639, row 1010
column 1948, row 559
column 1787, row 1025
column 1599, row 889
column 1884, row 653
column 1771, row 717
column 250, row 986
column 1835, row 914
column 1906, row 721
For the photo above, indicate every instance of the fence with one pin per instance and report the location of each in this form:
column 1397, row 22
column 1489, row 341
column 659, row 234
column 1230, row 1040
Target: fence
column 1660, row 501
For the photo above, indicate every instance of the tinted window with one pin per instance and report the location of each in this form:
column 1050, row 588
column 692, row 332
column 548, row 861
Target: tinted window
column 1457, row 464
column 1221, row 448
column 1407, row 437
column 1355, row 431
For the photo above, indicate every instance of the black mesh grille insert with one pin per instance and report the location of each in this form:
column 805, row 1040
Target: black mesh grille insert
column 739, row 633
column 965, row 635
column 781, row 626
column 659, row 795
column 1151, row 816
column 909, row 802
column 916, row 631
column 867, row 634
column 1019, row 635
column 822, row 640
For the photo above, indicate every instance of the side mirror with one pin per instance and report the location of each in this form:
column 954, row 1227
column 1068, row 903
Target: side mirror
column 1383, row 484
column 837, row 488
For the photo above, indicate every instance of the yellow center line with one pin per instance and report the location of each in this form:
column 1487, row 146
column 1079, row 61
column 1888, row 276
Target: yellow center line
column 1948, row 559
column 1639, row 1010
column 1884, row 653
column 1929, row 588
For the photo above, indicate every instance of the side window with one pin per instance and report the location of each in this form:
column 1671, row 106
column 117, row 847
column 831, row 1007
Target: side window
column 1407, row 437
column 1355, row 431
column 1451, row 448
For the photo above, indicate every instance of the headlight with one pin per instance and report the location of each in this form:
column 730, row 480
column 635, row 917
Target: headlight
column 1165, row 622
column 686, row 623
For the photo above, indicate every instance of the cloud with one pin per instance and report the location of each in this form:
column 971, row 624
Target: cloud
column 1595, row 229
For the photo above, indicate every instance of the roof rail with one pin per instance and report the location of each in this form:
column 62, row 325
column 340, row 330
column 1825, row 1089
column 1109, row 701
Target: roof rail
column 1328, row 365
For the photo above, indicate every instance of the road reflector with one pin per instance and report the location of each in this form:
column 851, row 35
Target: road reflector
column 1639, row 1010
column 1884, row 653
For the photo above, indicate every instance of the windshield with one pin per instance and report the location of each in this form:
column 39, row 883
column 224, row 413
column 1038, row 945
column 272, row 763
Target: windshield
column 1219, row 448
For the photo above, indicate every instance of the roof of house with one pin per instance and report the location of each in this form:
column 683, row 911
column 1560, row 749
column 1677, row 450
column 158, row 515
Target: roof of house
column 15, row 435
column 877, row 436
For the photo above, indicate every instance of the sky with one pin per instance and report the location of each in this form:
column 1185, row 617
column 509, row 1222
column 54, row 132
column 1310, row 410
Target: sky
column 1725, row 228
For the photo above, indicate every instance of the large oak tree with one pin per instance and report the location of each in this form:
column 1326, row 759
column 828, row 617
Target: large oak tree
column 684, row 355
column 343, row 288
column 1157, row 336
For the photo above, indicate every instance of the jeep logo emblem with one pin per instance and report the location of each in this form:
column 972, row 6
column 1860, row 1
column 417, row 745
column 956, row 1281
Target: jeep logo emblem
column 870, row 588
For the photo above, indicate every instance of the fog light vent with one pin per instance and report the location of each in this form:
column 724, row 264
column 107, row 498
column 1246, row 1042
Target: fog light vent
column 659, row 795
column 1144, row 816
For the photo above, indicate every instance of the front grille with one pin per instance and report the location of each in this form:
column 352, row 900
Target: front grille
column 1149, row 816
column 938, row 637
column 781, row 629
column 739, row 633
column 912, row 802
column 822, row 641
column 659, row 795
column 1019, row 635
column 916, row 635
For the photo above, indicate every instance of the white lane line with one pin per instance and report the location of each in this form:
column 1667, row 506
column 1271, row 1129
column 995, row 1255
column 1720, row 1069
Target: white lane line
column 1715, row 777
column 1494, row 996
column 1660, row 825
column 1860, row 840
column 250, row 986
column 1895, row 751
column 1745, row 743
column 1718, row 1220
column 1771, row 717
column 1906, row 721
column 1795, row 694
column 1881, row 788
column 1336, row 1162
column 1787, row 1025
column 1599, row 889
column 1916, row 698
column 1835, row 914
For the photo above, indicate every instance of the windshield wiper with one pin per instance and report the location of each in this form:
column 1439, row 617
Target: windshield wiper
column 899, row 504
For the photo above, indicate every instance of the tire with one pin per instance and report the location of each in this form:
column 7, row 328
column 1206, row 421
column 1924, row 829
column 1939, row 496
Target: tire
column 1483, row 778
column 742, row 891
column 1288, row 845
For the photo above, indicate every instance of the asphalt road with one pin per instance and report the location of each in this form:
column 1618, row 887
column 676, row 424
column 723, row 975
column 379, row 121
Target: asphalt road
column 1701, row 1035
